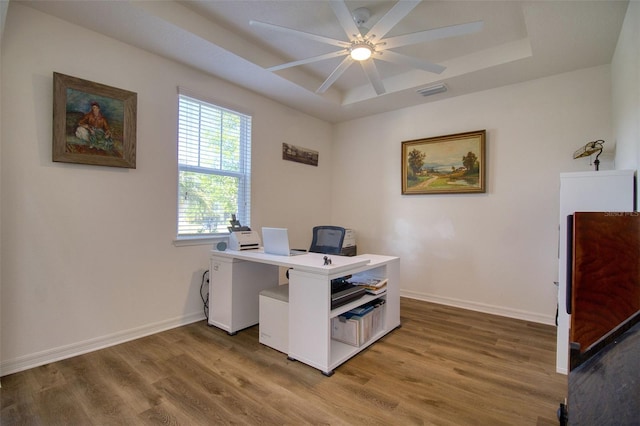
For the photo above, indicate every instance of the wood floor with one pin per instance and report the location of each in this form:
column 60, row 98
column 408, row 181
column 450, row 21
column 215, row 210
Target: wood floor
column 444, row 366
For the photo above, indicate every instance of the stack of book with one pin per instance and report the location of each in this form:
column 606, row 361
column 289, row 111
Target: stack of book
column 372, row 285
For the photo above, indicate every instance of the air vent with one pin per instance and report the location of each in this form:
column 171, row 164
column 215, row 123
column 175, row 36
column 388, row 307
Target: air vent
column 432, row 90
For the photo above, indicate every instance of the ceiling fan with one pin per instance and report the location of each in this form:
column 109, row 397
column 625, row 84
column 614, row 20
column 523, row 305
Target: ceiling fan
column 365, row 45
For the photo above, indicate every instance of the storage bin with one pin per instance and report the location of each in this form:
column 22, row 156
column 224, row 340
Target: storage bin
column 274, row 318
column 355, row 329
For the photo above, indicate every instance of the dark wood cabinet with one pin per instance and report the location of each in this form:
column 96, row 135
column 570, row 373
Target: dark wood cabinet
column 604, row 272
column 605, row 288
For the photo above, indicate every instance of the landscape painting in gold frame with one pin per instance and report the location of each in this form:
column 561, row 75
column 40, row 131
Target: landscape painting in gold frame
column 93, row 123
column 451, row 164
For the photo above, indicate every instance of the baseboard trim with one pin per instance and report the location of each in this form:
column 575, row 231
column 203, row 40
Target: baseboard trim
column 481, row 307
column 68, row 351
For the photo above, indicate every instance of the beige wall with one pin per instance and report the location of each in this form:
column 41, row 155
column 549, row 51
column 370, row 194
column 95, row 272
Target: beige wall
column 625, row 70
column 494, row 252
column 3, row 15
column 87, row 253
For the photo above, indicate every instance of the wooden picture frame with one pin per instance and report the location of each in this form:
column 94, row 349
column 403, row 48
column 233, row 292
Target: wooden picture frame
column 451, row 164
column 300, row 154
column 93, row 123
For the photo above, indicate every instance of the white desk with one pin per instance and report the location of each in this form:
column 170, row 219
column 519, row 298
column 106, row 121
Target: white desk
column 236, row 279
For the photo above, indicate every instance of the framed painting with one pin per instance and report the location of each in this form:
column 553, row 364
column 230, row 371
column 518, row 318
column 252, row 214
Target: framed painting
column 299, row 154
column 93, row 123
column 450, row 164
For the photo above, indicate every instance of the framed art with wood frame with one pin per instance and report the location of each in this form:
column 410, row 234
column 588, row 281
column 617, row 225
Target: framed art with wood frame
column 451, row 164
column 93, row 123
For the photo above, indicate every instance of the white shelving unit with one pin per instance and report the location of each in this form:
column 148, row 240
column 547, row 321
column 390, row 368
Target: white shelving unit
column 237, row 277
column 310, row 313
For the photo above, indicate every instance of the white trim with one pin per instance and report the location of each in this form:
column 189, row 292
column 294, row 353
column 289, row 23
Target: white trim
column 213, row 101
column 63, row 352
column 192, row 110
column 199, row 241
column 481, row 307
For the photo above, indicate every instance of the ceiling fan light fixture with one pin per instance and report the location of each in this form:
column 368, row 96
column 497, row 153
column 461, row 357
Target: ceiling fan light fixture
column 361, row 51
column 369, row 43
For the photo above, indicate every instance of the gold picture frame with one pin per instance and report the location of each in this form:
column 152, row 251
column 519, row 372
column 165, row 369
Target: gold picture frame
column 451, row 164
column 93, row 123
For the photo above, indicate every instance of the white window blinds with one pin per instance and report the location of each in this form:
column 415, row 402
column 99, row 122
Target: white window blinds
column 214, row 167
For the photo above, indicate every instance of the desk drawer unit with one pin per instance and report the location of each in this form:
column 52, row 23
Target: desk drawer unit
column 235, row 307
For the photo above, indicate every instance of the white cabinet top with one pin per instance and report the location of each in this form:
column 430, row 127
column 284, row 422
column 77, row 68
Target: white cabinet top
column 594, row 173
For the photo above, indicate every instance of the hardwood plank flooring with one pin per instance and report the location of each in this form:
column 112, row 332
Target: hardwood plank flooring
column 444, row 366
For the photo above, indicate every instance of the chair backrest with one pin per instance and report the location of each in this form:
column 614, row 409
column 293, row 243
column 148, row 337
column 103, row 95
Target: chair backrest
column 327, row 239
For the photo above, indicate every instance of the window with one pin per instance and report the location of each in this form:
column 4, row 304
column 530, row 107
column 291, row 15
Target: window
column 214, row 167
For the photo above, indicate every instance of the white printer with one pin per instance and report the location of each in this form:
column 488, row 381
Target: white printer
column 349, row 247
column 242, row 237
column 244, row 240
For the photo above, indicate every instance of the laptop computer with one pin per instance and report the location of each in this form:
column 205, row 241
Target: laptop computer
column 276, row 241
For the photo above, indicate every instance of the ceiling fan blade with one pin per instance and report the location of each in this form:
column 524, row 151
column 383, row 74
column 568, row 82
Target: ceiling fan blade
column 345, row 18
column 391, row 18
column 391, row 56
column 309, row 60
column 315, row 37
column 374, row 77
column 335, row 74
column 429, row 35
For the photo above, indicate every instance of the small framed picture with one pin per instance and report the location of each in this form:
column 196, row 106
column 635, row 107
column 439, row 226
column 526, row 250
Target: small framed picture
column 93, row 123
column 299, row 154
column 450, row 164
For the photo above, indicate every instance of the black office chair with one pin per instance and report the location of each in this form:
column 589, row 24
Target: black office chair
column 327, row 239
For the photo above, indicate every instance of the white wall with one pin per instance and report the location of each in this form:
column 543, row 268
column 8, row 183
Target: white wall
column 493, row 252
column 3, row 14
column 87, row 256
column 625, row 71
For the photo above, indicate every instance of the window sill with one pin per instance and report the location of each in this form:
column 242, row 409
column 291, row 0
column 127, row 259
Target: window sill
column 199, row 241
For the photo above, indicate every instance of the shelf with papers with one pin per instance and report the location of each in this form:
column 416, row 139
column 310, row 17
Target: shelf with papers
column 349, row 306
column 310, row 313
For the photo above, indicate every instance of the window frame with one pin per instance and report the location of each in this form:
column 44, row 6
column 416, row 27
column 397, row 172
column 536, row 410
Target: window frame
column 243, row 203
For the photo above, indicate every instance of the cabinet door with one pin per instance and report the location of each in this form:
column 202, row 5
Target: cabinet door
column 606, row 273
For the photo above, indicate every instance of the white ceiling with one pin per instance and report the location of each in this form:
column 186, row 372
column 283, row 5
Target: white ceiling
column 521, row 40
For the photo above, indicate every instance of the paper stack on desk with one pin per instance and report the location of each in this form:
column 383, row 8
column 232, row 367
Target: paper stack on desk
column 372, row 285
